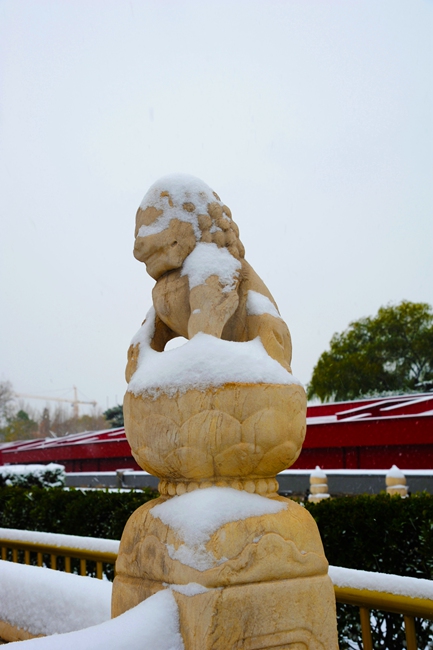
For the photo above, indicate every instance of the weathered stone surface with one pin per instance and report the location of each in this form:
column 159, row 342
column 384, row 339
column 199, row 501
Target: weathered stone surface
column 208, row 307
column 269, row 579
column 234, row 431
column 256, row 582
column 11, row 633
column 267, row 547
column 294, row 614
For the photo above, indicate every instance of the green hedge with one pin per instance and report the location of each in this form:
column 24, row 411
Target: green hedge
column 372, row 533
column 379, row 533
column 27, row 476
column 92, row 513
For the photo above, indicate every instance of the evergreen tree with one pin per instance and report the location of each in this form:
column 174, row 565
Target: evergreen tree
column 391, row 352
column 115, row 416
column 20, row 427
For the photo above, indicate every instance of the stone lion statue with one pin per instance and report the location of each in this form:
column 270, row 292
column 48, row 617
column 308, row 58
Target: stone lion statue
column 190, row 244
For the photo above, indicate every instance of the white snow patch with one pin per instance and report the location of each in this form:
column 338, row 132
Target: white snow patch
column 190, row 589
column 196, row 557
column 43, row 601
column 57, row 539
column 258, row 304
column 182, row 188
column 202, row 362
column 15, row 474
column 395, row 472
column 388, row 583
column 151, row 625
column 318, row 473
column 195, row 516
column 206, row 260
column 31, row 469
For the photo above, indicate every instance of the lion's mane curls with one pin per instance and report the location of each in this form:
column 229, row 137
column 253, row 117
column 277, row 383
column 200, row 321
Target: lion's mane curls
column 217, row 227
column 189, row 199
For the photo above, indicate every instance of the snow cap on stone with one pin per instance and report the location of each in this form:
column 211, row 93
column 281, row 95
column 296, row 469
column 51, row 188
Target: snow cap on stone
column 208, row 259
column 395, row 472
column 202, row 362
column 169, row 194
column 318, row 473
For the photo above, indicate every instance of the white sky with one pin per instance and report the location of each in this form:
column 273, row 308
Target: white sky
column 312, row 119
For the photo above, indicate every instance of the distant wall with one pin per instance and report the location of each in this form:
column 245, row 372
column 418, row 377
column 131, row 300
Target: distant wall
column 294, row 482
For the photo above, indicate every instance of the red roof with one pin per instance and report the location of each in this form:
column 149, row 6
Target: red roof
column 368, row 433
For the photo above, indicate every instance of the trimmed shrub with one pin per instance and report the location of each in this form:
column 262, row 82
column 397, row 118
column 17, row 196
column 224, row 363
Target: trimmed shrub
column 379, row 533
column 51, row 475
column 92, row 513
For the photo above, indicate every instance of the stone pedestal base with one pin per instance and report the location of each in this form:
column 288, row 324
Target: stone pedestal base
column 264, row 583
column 294, row 614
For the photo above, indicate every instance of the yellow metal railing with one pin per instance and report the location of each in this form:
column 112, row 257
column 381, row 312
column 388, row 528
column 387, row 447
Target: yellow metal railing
column 366, row 600
column 84, row 555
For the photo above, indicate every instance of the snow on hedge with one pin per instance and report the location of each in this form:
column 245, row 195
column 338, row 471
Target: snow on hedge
column 51, row 475
column 58, row 539
column 202, row 362
column 42, row 601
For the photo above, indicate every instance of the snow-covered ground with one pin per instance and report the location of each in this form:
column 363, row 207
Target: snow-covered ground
column 42, row 601
column 75, row 612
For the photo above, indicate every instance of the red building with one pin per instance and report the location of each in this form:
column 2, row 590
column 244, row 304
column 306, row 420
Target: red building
column 370, row 434
column 366, row 434
column 95, row 451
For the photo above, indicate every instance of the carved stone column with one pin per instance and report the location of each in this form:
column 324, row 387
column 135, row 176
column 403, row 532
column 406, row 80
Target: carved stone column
column 246, row 566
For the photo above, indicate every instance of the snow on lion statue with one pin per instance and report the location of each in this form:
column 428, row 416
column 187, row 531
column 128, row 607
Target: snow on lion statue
column 186, row 237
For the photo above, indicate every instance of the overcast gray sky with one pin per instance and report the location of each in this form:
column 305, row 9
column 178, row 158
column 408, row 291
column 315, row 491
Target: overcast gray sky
column 312, row 119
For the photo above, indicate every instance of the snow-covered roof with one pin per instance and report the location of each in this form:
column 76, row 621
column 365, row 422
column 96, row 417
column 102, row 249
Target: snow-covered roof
column 86, row 438
column 420, row 404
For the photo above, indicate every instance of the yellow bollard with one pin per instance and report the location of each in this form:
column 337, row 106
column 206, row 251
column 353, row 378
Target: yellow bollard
column 318, row 486
column 396, row 482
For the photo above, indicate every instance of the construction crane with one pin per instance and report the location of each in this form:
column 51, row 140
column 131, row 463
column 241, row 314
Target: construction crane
column 74, row 401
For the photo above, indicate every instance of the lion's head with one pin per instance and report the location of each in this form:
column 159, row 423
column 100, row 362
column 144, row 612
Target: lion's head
column 178, row 212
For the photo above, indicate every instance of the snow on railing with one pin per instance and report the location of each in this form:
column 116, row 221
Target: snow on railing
column 68, row 547
column 71, row 612
column 411, row 597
